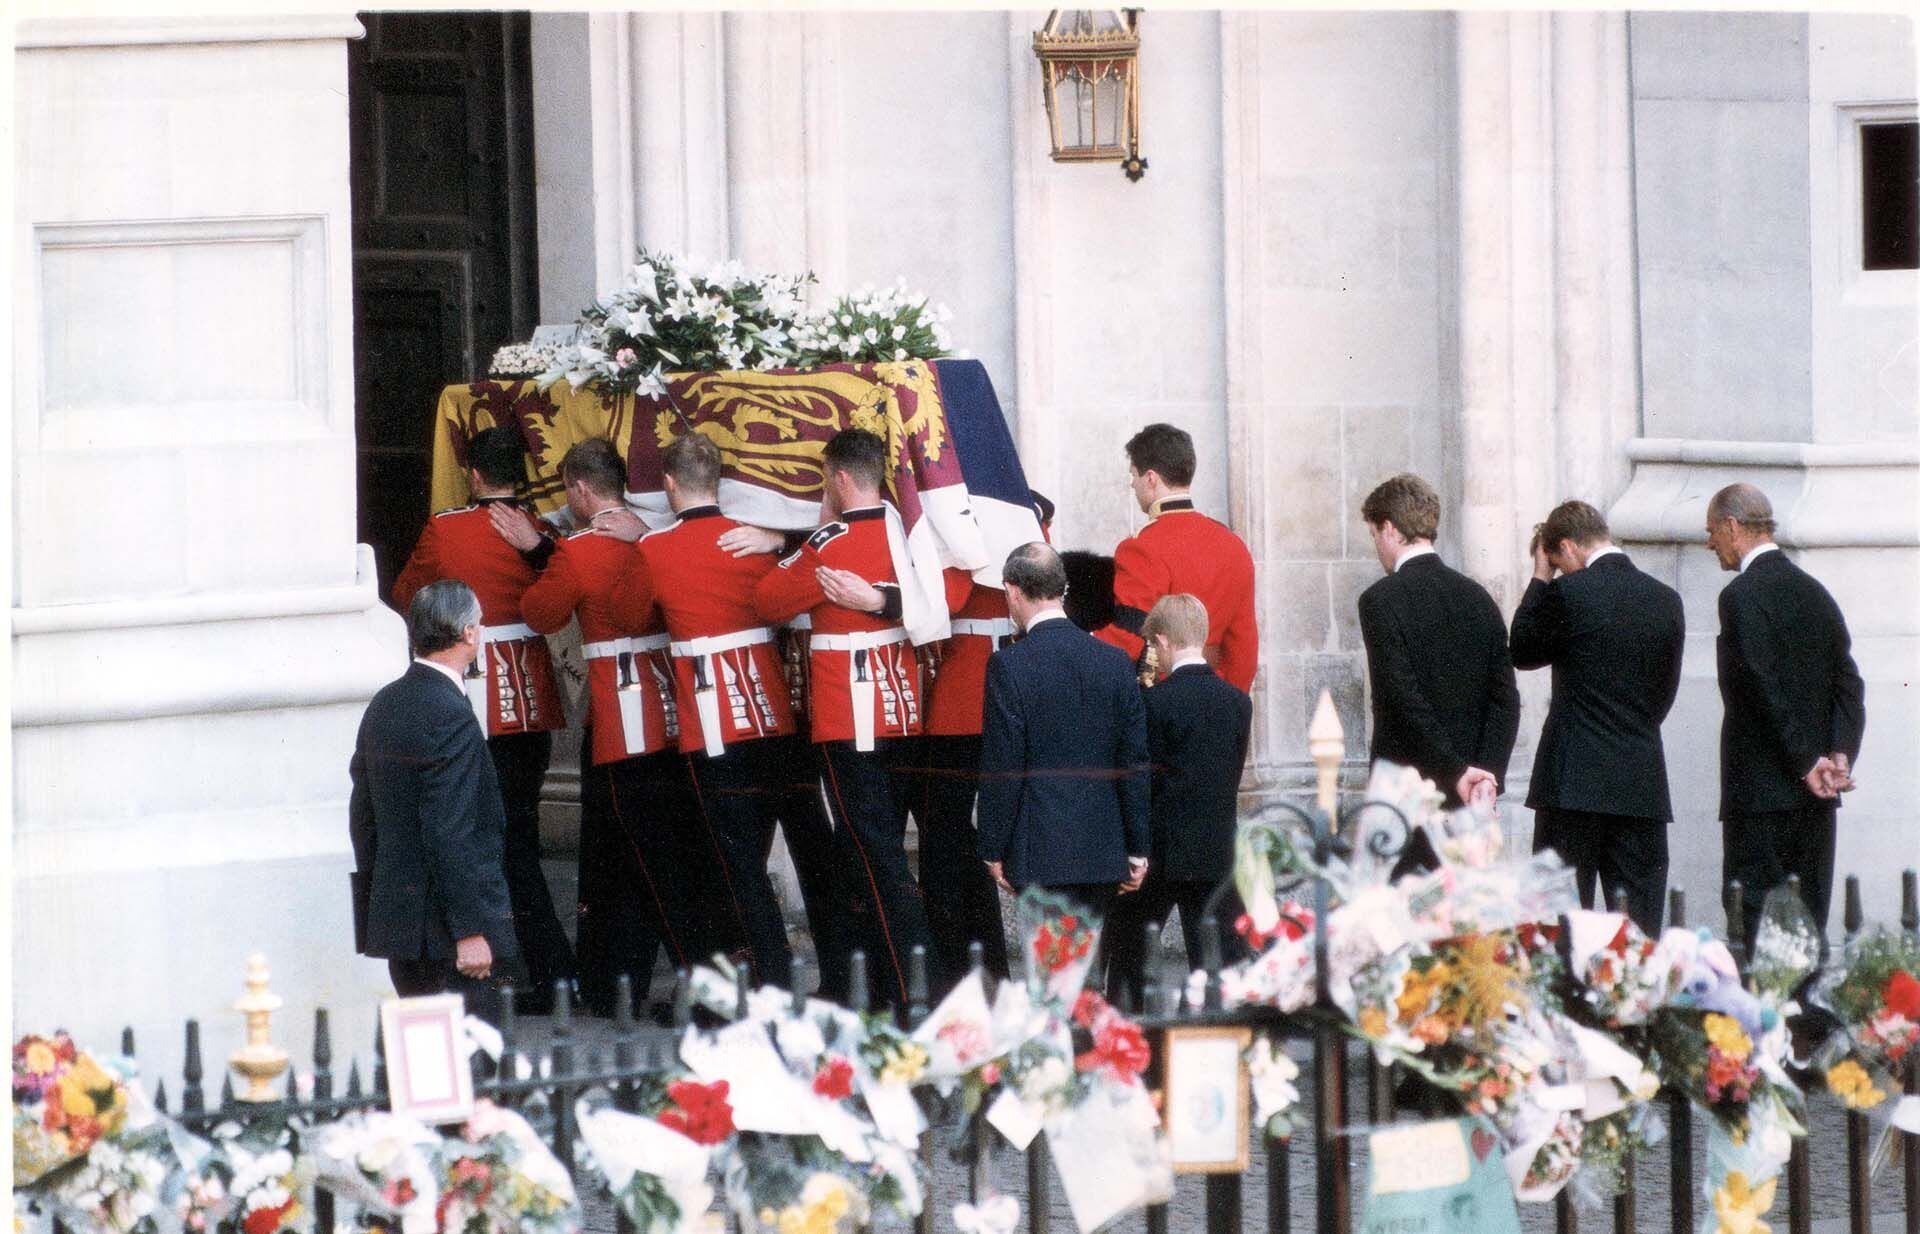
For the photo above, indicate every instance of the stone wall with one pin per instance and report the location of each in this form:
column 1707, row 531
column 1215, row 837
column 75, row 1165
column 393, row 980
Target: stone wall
column 194, row 632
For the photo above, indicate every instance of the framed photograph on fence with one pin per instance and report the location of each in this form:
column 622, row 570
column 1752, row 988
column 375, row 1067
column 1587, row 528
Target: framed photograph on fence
column 426, row 1044
column 1207, row 1110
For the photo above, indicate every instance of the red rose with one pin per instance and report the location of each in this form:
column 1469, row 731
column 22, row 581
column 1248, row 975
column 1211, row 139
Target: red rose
column 700, row 1112
column 1902, row 995
column 265, row 1220
column 1120, row 1047
column 834, row 1080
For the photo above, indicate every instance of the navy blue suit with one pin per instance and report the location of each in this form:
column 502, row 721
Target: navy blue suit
column 429, row 832
column 1064, row 787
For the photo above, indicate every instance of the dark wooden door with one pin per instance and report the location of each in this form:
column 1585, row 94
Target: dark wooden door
column 443, row 238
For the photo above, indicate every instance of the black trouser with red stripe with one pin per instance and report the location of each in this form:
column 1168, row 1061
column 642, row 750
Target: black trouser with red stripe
column 520, row 764
column 744, row 793
column 642, row 880
column 962, row 903
column 886, row 916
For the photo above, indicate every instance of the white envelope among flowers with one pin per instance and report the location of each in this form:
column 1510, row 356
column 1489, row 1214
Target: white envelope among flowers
column 627, row 1144
column 1109, row 1154
column 958, row 1036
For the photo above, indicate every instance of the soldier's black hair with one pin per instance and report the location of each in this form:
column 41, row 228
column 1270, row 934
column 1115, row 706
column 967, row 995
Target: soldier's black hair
column 1165, row 449
column 859, row 454
column 497, row 455
column 596, row 464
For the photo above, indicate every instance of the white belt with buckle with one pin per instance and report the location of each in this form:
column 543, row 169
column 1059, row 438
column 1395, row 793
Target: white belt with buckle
column 507, row 633
column 624, row 646
column 706, row 678
column 627, row 678
column 859, row 640
column 860, row 682
column 999, row 629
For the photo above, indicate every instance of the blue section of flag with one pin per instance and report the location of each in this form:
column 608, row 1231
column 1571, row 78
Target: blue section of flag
column 979, row 434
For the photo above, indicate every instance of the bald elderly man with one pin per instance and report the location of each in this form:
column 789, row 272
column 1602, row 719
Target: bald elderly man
column 1795, row 710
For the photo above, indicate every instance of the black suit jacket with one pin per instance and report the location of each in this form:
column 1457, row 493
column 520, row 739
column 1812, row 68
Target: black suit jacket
column 427, row 823
column 1063, row 760
column 1789, row 684
column 1613, row 637
column 1197, row 730
column 1443, row 692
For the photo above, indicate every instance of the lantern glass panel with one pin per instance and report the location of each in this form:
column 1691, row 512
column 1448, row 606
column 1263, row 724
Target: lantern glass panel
column 1110, row 103
column 1078, row 99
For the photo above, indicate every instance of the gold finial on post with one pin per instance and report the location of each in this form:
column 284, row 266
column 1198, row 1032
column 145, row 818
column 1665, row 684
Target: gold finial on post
column 1327, row 743
column 259, row 1060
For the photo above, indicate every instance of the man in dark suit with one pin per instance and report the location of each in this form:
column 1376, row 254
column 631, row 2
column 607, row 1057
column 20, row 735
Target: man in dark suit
column 1197, row 730
column 1444, row 700
column 428, row 826
column 1795, row 709
column 1613, row 637
column 1063, row 756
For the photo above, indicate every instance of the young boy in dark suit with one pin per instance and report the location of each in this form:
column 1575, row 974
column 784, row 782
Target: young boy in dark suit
column 1197, row 731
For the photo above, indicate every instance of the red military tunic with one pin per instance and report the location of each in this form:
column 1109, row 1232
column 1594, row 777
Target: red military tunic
column 849, row 652
column 1182, row 550
column 520, row 692
column 956, row 698
column 721, row 648
column 629, row 677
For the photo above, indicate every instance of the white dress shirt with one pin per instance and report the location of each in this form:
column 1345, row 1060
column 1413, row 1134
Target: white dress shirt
column 1755, row 551
column 1045, row 615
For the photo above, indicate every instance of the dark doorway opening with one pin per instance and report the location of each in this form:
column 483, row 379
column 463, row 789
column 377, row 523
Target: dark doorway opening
column 444, row 264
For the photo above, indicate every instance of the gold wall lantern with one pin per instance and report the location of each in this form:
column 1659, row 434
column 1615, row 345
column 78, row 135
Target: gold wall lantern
column 1090, row 69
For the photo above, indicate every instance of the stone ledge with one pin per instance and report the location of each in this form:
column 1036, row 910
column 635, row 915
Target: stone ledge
column 123, row 31
column 1818, row 490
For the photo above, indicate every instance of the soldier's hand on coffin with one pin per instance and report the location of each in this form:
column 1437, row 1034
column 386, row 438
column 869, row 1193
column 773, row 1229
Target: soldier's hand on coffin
column 515, row 525
column 473, row 957
column 745, row 541
column 849, row 590
column 621, row 524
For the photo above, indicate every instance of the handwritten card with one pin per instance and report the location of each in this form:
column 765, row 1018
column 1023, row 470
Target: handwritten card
column 1438, row 1178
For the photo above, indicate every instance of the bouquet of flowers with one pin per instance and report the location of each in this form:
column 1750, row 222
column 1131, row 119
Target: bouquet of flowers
column 522, row 360
column 869, row 327
column 1874, row 994
column 63, row 1102
column 496, row 1177
column 251, row 1180
column 656, row 1175
column 1060, row 940
column 1621, row 981
column 382, row 1164
column 793, row 1185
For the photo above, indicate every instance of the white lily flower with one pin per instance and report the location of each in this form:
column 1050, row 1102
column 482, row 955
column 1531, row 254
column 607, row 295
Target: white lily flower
column 653, row 385
column 871, row 335
column 899, row 332
column 724, row 315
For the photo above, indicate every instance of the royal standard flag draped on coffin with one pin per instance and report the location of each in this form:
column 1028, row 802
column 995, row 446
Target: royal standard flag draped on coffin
column 955, row 483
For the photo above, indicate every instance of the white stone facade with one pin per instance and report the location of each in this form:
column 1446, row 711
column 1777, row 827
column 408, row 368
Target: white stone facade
column 1531, row 256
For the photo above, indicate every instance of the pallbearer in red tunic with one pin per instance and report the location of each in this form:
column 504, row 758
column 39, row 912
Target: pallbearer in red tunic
column 750, row 765
column 513, row 690
column 638, row 843
column 1182, row 550
column 962, row 904
column 865, row 700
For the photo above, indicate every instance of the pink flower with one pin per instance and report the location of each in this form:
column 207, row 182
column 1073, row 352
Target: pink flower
column 625, row 357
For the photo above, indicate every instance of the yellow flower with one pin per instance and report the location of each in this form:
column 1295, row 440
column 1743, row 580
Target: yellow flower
column 1849, row 1081
column 87, row 1091
column 40, row 1060
column 1373, row 1021
column 907, row 1063
column 1726, row 1035
column 1739, row 1206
